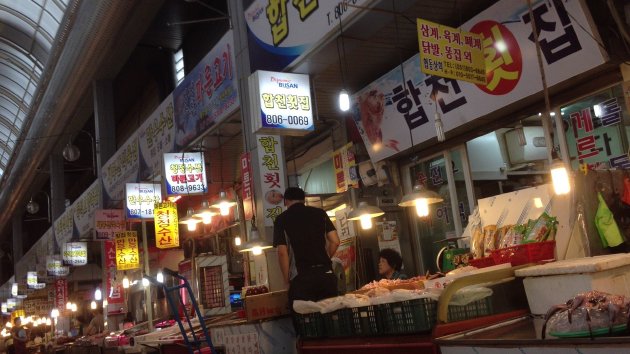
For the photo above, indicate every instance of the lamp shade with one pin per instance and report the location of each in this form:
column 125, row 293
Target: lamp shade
column 32, row 207
column 224, row 203
column 255, row 244
column 364, row 209
column 190, row 220
column 419, row 192
column 71, row 152
column 205, row 213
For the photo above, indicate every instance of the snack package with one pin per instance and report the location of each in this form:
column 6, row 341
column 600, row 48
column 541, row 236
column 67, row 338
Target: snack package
column 489, row 239
column 540, row 229
column 476, row 243
column 513, row 236
column 501, row 234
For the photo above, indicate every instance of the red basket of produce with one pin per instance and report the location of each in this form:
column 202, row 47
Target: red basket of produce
column 481, row 262
column 526, row 253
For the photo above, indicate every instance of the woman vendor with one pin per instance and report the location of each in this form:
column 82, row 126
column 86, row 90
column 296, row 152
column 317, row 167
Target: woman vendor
column 389, row 264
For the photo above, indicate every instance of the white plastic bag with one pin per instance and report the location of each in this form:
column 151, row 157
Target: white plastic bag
column 303, row 307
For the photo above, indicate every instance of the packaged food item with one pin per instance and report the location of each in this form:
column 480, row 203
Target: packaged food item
column 513, row 236
column 476, row 244
column 501, row 234
column 540, row 229
column 489, row 239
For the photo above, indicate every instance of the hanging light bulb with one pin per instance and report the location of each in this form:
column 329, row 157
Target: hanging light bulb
column 160, row 277
column 257, row 251
column 98, row 295
column 69, row 305
column 422, row 207
column 439, row 127
column 366, row 222
column 254, row 243
column 74, row 307
column 190, row 220
column 205, row 213
column 237, row 241
column 364, row 213
column 421, row 199
column 145, row 282
column 223, row 204
column 344, row 100
column 560, row 178
column 125, row 282
column 93, row 305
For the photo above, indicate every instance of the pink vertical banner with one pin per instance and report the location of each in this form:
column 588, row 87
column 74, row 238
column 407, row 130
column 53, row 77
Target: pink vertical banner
column 247, row 188
column 115, row 294
column 61, row 293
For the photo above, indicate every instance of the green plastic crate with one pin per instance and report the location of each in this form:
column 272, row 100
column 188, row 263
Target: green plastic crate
column 339, row 323
column 475, row 309
column 410, row 316
column 366, row 321
column 310, row 325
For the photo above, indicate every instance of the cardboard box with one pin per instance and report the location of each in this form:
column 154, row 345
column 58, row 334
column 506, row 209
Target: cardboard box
column 273, row 304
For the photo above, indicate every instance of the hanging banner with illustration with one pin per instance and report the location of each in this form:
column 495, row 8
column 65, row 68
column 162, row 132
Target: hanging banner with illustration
column 74, row 253
column 140, row 199
column 120, row 169
column 247, row 186
column 279, row 32
column 127, row 256
column 207, row 95
column 388, row 109
column 271, row 160
column 107, row 222
column 594, row 136
column 387, row 233
column 113, row 285
column 281, row 103
column 156, row 136
column 346, row 175
column 450, row 52
column 84, row 208
column 166, row 225
column 185, row 173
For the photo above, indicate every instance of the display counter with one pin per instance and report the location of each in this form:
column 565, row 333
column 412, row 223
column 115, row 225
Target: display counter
column 523, row 335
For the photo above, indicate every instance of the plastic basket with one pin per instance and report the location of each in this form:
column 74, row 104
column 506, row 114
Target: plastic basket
column 310, row 325
column 366, row 321
column 525, row 253
column 481, row 262
column 408, row 316
column 339, row 323
column 475, row 309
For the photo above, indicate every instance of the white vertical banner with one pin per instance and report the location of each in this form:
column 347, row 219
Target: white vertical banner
column 271, row 169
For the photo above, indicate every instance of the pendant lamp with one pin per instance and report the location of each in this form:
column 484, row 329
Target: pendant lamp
column 420, row 198
column 224, row 204
column 205, row 213
column 190, row 220
column 365, row 213
column 255, row 244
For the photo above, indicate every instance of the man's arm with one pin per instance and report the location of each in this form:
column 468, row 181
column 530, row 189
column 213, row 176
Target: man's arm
column 283, row 259
column 332, row 242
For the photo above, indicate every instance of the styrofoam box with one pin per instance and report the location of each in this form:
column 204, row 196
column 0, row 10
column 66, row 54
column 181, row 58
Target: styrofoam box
column 554, row 283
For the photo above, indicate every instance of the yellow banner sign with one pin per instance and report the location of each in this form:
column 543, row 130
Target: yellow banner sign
column 346, row 175
column 166, row 227
column 451, row 53
column 127, row 256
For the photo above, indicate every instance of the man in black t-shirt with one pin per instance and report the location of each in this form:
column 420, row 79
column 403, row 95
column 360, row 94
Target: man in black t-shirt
column 306, row 240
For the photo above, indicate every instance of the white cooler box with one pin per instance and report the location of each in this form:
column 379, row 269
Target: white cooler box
column 555, row 283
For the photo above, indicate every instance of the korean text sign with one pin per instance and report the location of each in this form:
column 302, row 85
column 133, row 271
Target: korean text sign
column 271, row 160
column 346, row 175
column 108, row 221
column 284, row 102
column 185, row 173
column 388, row 109
column 166, row 225
column 141, row 198
column 208, row 94
column 75, row 253
column 127, row 256
column 61, row 293
column 121, row 168
column 114, row 287
column 248, row 186
column 157, row 136
column 451, row 53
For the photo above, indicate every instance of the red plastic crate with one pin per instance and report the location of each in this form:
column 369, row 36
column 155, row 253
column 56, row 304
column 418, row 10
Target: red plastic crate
column 525, row 253
column 481, row 262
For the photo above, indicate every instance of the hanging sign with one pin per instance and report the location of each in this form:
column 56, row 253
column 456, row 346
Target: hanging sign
column 85, row 206
column 284, row 102
column 166, row 225
column 3, row 308
column 345, row 228
column 64, row 226
column 31, row 279
column 11, row 303
column 61, row 293
column 450, row 52
column 271, row 167
column 247, row 186
column 127, row 256
column 108, row 221
column 346, row 175
column 157, row 136
column 387, row 234
column 391, row 114
column 140, row 199
column 123, row 167
column 113, row 284
column 75, row 253
column 185, row 173
column 55, row 267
